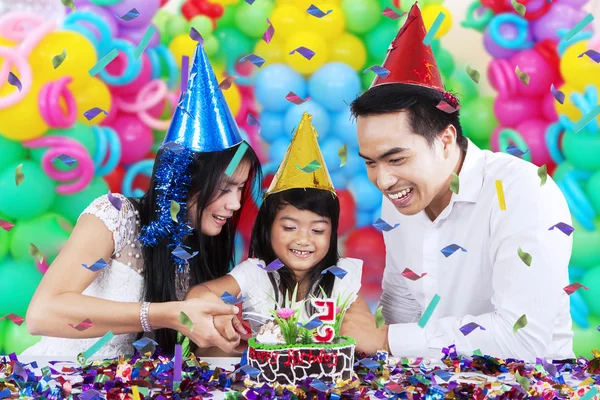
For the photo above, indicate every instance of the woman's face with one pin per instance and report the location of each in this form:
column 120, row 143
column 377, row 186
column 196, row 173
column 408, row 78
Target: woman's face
column 227, row 200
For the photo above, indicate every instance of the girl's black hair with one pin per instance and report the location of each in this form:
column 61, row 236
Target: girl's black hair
column 215, row 253
column 322, row 203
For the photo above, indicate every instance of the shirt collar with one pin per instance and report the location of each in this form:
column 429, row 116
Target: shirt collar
column 470, row 177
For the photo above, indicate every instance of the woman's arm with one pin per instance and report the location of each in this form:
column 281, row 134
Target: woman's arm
column 218, row 286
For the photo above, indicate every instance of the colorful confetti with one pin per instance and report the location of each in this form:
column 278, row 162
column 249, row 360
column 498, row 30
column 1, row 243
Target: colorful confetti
column 174, row 147
column 434, row 28
column 369, row 363
column 231, row 299
column 523, row 77
column 518, row 7
column 252, row 121
column 103, row 62
column 379, row 70
column 68, row 160
column 227, row 82
column 84, row 356
column 343, row 155
column 590, row 394
column 177, row 361
column 573, row 287
column 183, row 254
column 93, row 113
column 451, row 249
column 515, row 151
column 143, row 344
column 35, row 252
column 115, row 201
column 589, row 117
column 249, row 370
column 336, row 271
column 524, row 382
column 14, row 318
column 500, row 194
column 304, row 52
column 13, row 80
column 558, row 95
column 316, row 11
column 578, row 27
column 391, row 14
column 7, row 226
column 592, row 54
column 310, row 168
column 174, row 210
column 268, row 35
column 312, row 324
column 141, row 47
column 319, row 386
column 473, row 74
column 135, row 391
column 186, row 321
column 254, row 59
column 383, row 226
column 379, row 318
column 412, row 275
column 82, row 326
column 196, row 36
column 564, row 228
column 524, row 256
column 470, row 327
column 429, row 310
column 543, row 174
column 19, row 176
column 97, row 266
column 237, row 157
column 129, row 16
column 447, row 108
column 68, row 3
column 249, row 1
column 294, row 98
column 273, row 265
column 185, row 72
column 454, row 183
column 521, row 323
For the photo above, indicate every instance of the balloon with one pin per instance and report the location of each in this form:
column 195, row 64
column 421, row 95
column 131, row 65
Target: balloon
column 591, row 279
column 579, row 310
column 347, row 219
column 182, row 45
column 203, row 25
column 379, row 38
column 278, row 148
column 534, row 133
column 329, row 148
column 445, row 62
column 32, row 198
column 271, row 126
column 585, row 340
column 12, row 151
column 361, row 15
column 367, row 244
column 135, row 35
column 136, row 138
column 45, row 232
column 162, row 20
column 71, row 206
column 93, row 93
column 114, row 179
column 147, row 10
column 369, row 196
column 248, row 215
column 335, row 85
column 560, row 16
column 343, row 126
column 477, row 119
column 228, row 17
column 349, row 49
column 211, row 45
column 80, row 132
column 24, row 277
column 236, row 43
column 271, row 52
column 586, row 252
column 592, row 190
column 581, row 150
column 366, row 78
column 252, row 19
column 329, row 27
column 4, row 242
column 338, row 179
column 512, row 111
column 539, row 70
column 311, row 41
column 233, row 96
column 177, row 25
column 509, row 32
column 548, row 111
column 118, row 66
column 273, row 83
column 320, row 120
column 23, row 120
column 17, row 339
column 430, row 13
column 287, row 19
column 354, row 164
column 108, row 18
column 579, row 72
column 462, row 86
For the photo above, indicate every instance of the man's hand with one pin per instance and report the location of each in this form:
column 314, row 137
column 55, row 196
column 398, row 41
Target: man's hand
column 361, row 326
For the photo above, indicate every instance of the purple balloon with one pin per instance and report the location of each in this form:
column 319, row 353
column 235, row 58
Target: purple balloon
column 574, row 3
column 103, row 13
column 146, row 8
column 136, row 35
column 507, row 31
column 560, row 16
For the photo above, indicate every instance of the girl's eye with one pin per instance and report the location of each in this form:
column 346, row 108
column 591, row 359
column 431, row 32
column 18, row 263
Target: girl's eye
column 288, row 228
column 225, row 191
column 318, row 232
column 241, row 188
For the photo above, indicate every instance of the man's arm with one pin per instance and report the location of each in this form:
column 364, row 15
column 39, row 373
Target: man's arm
column 534, row 291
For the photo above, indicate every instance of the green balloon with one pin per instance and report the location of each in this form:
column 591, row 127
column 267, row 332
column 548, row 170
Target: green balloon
column 252, row 19
column 461, row 85
column 178, row 25
column 367, row 79
column 32, row 198
column 71, row 206
column 445, row 62
column 378, row 40
column 3, row 325
column 228, row 17
column 586, row 251
column 361, row 15
column 478, row 120
column 591, row 279
column 211, row 45
column 561, row 170
column 233, row 44
column 203, row 25
column 585, row 340
column 161, row 20
column 17, row 339
column 12, row 152
column 4, row 243
column 582, row 149
column 45, row 232
column 22, row 278
column 592, row 190
column 404, row 5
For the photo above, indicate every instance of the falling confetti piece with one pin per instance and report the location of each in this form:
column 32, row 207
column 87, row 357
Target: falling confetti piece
column 252, row 121
column 564, row 228
column 316, row 11
column 429, row 310
column 521, row 323
column 268, row 35
column 434, row 28
column 294, row 98
column 93, row 113
column 523, row 77
column 129, row 16
column 311, row 167
column 273, row 265
column 319, row 385
column 13, row 318
column 500, row 194
column 578, row 27
column 593, row 54
column 304, row 51
column 558, row 95
column 473, row 74
column 144, row 42
column 103, row 62
column 451, row 249
column 97, row 266
column 135, row 392
column 249, row 370
column 226, row 83
column 35, row 252
column 13, row 80
column 519, row 8
column 68, row 3
column 231, row 299
column 185, row 320
column 312, row 324
column 589, row 117
column 470, row 327
column 412, row 275
column 7, row 226
column 379, row 318
column 336, row 271
column 254, row 59
column 343, row 154
column 515, row 151
column 237, row 157
column 196, row 36
column 68, row 160
column 523, row 381
column 174, row 147
column 175, row 207
column 183, row 254
column 249, row 1
column 525, row 257
column 573, row 287
column 19, row 176
column 82, row 326
column 369, row 363
column 543, row 174
column 144, row 342
column 447, row 108
column 589, row 395
column 454, row 184
column 115, row 201
column 383, row 226
column 64, row 224
column 391, row 14
column 83, row 357
column 379, row 70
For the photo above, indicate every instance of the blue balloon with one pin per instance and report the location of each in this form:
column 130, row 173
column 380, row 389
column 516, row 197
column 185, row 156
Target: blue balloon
column 320, row 120
column 343, row 125
column 274, row 83
column 329, row 148
column 335, row 86
column 239, row 248
column 354, row 164
column 368, row 197
column 271, row 126
column 579, row 310
column 377, row 214
column 339, row 180
column 364, row 218
column 278, row 149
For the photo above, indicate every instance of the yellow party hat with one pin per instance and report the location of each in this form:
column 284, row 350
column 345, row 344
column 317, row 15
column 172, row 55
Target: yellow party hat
column 303, row 166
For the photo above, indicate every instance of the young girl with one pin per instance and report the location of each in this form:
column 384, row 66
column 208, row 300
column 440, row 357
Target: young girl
column 297, row 224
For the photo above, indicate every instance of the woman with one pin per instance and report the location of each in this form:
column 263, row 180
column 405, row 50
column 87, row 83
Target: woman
column 143, row 289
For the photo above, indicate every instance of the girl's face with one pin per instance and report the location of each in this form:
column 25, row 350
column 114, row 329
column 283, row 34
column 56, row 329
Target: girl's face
column 300, row 238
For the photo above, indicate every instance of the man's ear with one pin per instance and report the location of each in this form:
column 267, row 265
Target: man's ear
column 448, row 138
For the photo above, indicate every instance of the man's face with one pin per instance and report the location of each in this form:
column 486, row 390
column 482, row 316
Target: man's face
column 401, row 163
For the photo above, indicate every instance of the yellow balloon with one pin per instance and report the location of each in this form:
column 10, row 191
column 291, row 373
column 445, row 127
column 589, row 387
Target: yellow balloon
column 23, row 120
column 80, row 57
column 272, row 52
column 350, row 50
column 579, row 72
column 182, row 45
column 311, row 41
column 330, row 26
column 431, row 12
column 288, row 19
column 569, row 109
column 89, row 94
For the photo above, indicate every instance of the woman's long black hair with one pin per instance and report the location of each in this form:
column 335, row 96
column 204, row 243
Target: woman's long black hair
column 322, row 203
column 215, row 253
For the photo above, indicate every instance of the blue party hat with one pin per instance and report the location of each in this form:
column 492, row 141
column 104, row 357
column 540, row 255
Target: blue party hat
column 202, row 121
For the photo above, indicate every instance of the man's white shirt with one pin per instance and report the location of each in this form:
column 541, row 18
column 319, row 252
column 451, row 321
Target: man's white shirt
column 488, row 284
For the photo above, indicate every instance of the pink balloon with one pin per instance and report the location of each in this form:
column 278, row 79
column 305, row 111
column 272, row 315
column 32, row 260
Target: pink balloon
column 548, row 107
column 541, row 75
column 136, row 138
column 118, row 66
column 511, row 111
column 534, row 133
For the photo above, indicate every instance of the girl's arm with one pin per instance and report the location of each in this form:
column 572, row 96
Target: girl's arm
column 218, row 286
column 359, row 306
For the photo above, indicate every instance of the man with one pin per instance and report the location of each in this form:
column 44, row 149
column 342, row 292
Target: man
column 472, row 250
